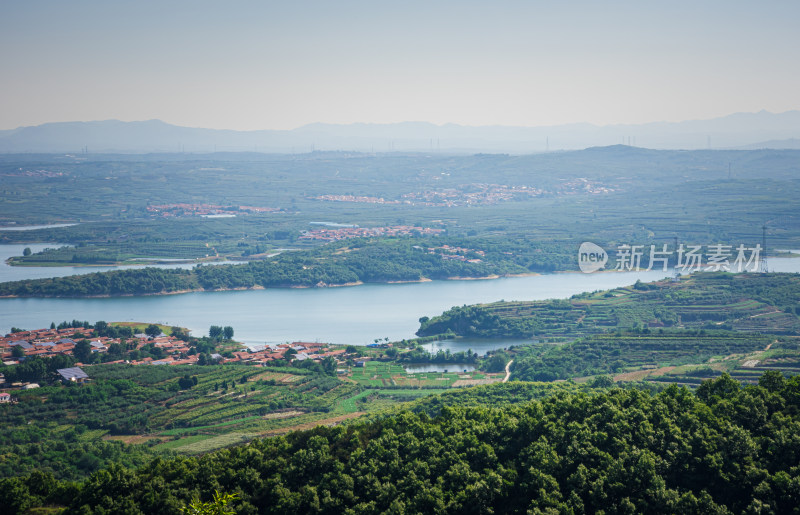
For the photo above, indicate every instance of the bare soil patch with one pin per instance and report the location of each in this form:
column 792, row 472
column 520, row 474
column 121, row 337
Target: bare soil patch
column 638, row 375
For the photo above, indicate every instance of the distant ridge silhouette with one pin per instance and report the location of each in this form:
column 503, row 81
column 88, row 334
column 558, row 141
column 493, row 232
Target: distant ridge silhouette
column 740, row 130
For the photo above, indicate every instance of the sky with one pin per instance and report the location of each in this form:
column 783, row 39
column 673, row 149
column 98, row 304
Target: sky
column 280, row 65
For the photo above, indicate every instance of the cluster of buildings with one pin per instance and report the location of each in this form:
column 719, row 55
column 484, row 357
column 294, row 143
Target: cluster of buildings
column 457, row 253
column 355, row 198
column 40, row 342
column 474, row 194
column 20, row 172
column 176, row 210
column 583, row 185
column 51, row 342
column 301, row 351
column 471, row 195
column 366, row 232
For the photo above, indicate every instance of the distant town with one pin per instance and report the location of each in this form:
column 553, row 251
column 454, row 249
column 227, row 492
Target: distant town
column 205, row 210
column 475, row 194
column 344, row 233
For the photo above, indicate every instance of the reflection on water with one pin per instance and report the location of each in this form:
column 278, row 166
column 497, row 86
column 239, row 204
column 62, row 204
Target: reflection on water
column 33, row 227
column 20, row 273
column 445, row 367
column 480, row 346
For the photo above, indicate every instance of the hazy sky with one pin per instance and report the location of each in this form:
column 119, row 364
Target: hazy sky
column 278, row 65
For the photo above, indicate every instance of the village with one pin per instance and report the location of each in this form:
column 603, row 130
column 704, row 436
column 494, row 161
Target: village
column 344, row 233
column 19, row 346
column 205, row 210
column 475, row 194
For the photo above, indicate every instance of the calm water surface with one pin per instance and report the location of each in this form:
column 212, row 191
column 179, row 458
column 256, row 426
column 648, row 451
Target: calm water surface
column 349, row 315
column 355, row 314
column 450, row 367
column 19, row 273
column 33, row 227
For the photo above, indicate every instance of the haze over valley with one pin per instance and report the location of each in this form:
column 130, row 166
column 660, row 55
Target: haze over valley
column 367, row 257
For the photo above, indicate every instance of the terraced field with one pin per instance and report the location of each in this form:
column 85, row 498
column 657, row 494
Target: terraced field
column 227, row 405
column 743, row 302
column 635, row 356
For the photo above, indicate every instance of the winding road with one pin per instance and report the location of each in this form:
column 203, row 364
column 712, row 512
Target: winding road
column 508, row 371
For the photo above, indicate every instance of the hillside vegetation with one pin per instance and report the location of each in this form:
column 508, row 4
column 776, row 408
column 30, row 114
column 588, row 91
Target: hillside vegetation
column 724, row 449
column 350, row 262
column 742, row 302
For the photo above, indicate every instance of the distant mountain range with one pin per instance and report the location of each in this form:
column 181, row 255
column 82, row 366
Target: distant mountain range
column 741, row 130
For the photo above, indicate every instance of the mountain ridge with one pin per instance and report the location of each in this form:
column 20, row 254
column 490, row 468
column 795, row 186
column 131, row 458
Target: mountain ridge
column 737, row 130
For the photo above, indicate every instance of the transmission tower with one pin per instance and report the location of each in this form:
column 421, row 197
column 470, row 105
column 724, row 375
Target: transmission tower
column 764, row 268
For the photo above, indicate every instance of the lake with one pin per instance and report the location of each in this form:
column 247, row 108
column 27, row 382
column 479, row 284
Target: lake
column 19, row 273
column 479, row 346
column 33, row 227
column 356, row 314
column 446, row 367
column 349, row 315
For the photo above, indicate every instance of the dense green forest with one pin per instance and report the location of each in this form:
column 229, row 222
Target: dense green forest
column 723, row 449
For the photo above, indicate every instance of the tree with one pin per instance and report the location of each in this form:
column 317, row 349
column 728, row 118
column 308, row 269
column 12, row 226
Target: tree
column 497, row 363
column 32, row 370
column 228, row 332
column 27, row 252
column 772, row 380
column 329, row 365
column 215, row 332
column 186, row 382
column 217, row 506
column 101, row 327
column 152, row 330
column 601, row 382
column 82, row 350
column 17, row 351
column 723, row 387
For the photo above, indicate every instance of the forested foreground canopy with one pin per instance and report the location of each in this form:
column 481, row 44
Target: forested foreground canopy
column 721, row 449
